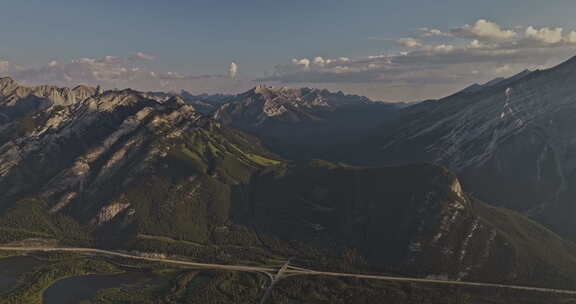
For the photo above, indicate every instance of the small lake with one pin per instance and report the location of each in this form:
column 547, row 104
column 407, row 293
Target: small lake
column 76, row 289
column 13, row 267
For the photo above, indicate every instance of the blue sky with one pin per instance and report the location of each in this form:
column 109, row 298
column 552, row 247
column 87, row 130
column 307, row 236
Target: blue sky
column 204, row 37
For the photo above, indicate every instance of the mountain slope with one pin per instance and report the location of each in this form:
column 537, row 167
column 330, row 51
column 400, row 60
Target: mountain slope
column 512, row 143
column 110, row 160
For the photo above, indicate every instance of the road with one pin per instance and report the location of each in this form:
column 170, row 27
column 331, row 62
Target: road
column 137, row 257
column 288, row 271
column 430, row 281
column 275, row 279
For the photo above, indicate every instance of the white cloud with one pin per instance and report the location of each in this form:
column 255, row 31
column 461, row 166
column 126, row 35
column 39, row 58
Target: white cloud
column 571, row 37
column 484, row 30
column 410, row 42
column 444, row 48
column 319, row 61
column 144, row 56
column 503, row 70
column 476, row 44
column 233, row 70
column 546, row 35
column 302, row 62
column 432, row 32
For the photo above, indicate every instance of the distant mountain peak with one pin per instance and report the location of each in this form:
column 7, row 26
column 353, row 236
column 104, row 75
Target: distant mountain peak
column 500, row 81
column 6, row 79
column 289, row 105
column 177, row 100
column 7, row 84
column 305, row 96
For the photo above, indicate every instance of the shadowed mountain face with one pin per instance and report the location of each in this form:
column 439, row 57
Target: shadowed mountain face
column 512, row 143
column 413, row 219
column 133, row 171
column 300, row 123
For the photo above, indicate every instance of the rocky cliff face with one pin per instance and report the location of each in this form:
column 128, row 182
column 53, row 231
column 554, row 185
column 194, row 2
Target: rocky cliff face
column 512, row 143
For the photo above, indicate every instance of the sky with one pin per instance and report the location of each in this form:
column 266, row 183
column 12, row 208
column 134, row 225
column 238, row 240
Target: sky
column 388, row 50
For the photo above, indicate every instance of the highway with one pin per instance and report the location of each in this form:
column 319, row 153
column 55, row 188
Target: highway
column 275, row 279
column 276, row 274
column 431, row 281
column 151, row 259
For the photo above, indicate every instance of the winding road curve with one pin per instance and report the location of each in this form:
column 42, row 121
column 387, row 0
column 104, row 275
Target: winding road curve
column 288, row 271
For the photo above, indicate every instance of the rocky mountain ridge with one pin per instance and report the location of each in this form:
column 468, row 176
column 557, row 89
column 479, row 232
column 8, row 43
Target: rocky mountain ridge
column 289, row 105
column 76, row 159
column 204, row 103
column 512, row 143
column 299, row 123
column 18, row 101
column 122, row 170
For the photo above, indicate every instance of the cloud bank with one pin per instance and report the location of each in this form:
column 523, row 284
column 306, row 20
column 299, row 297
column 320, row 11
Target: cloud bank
column 130, row 71
column 429, row 63
column 440, row 61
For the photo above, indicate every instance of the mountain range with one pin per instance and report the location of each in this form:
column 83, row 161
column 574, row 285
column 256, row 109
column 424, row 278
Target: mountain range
column 476, row 186
column 298, row 122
